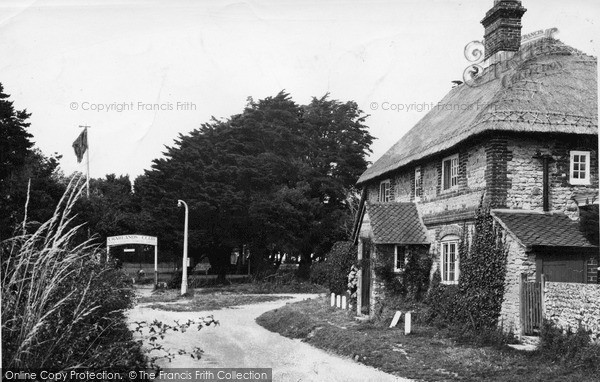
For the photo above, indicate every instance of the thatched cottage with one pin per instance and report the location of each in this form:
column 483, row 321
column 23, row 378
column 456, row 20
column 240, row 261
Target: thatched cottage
column 522, row 134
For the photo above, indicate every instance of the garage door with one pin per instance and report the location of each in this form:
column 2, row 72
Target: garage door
column 564, row 270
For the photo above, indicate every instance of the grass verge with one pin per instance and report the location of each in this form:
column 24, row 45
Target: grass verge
column 204, row 300
column 424, row 355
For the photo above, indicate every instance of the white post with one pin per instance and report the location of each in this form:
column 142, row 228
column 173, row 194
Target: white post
column 396, row 319
column 156, row 265
column 344, row 303
column 407, row 323
column 338, row 301
column 332, row 299
column 185, row 245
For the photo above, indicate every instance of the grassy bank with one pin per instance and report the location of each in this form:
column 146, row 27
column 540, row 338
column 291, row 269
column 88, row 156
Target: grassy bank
column 203, row 300
column 424, row 355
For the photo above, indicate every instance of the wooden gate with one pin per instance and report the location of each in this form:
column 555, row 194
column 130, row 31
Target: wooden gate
column 531, row 306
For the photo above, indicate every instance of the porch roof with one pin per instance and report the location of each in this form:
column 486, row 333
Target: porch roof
column 396, row 223
column 533, row 228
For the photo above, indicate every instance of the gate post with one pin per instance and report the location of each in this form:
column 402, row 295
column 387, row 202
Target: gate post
column 523, row 314
column 542, row 297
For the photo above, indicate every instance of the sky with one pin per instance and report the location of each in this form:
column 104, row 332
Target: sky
column 142, row 72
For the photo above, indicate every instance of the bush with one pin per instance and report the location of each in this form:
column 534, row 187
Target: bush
column 333, row 273
column 62, row 307
column 319, row 273
column 573, row 349
column 443, row 303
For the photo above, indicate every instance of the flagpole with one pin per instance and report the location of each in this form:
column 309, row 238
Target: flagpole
column 87, row 160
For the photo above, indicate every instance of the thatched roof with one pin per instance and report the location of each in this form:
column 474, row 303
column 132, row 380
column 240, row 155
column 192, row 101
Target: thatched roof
column 552, row 88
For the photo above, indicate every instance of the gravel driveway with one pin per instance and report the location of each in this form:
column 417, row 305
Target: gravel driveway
column 240, row 342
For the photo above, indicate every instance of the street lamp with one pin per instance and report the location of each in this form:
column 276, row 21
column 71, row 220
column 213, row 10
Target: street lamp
column 185, row 246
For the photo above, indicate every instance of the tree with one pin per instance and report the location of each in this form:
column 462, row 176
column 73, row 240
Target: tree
column 20, row 162
column 275, row 178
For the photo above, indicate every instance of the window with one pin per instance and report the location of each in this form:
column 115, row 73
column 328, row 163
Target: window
column 450, row 172
column 418, row 184
column 384, row 191
column 580, row 167
column 449, row 260
column 400, row 258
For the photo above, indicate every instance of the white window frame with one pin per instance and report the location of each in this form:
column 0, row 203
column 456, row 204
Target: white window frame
column 418, row 185
column 446, row 245
column 586, row 179
column 385, row 195
column 397, row 249
column 453, row 172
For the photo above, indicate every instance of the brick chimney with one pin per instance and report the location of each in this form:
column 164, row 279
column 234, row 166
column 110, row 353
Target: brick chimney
column 503, row 27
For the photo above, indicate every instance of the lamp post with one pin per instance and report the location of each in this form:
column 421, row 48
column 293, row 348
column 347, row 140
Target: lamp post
column 185, row 248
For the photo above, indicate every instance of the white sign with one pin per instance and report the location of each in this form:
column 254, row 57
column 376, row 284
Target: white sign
column 131, row 239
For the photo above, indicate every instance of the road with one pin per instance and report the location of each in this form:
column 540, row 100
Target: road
column 240, row 342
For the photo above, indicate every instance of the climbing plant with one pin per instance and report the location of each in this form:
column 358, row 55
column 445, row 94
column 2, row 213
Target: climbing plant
column 482, row 272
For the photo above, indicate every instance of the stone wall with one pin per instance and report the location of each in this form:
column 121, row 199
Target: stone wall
column 570, row 305
column 518, row 262
column 525, row 189
column 403, row 187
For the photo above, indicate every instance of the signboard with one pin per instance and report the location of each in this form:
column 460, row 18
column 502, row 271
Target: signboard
column 111, row 241
column 131, row 239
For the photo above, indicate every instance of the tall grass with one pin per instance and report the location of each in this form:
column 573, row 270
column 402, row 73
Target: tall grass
column 62, row 307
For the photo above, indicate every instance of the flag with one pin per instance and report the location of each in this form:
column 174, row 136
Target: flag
column 80, row 145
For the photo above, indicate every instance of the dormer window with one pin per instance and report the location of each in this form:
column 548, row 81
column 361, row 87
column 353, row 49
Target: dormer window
column 384, row 191
column 450, row 172
column 580, row 167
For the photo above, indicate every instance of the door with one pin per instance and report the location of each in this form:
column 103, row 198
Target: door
column 566, row 268
column 366, row 278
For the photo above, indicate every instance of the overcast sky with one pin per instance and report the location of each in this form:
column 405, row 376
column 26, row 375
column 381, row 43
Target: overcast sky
column 62, row 59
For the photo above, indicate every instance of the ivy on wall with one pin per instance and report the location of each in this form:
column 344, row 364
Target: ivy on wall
column 412, row 281
column 477, row 300
column 482, row 272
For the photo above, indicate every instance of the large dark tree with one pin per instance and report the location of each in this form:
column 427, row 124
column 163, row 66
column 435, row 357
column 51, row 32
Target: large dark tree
column 275, row 178
column 21, row 163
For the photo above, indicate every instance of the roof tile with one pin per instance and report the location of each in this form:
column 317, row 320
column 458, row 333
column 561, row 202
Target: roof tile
column 396, row 223
column 542, row 229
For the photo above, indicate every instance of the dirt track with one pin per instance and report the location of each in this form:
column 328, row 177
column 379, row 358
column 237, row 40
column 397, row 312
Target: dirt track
column 240, row 342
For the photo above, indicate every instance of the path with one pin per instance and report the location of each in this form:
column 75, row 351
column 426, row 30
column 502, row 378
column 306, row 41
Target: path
column 240, row 342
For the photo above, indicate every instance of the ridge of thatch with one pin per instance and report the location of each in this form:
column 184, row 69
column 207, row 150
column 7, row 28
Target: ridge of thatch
column 549, row 87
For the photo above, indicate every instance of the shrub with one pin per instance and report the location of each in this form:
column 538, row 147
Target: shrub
column 63, row 307
column 443, row 303
column 319, row 273
column 335, row 270
column 573, row 349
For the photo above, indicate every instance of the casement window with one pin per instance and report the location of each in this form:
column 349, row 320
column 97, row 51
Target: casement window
column 449, row 259
column 418, row 184
column 384, row 191
column 400, row 258
column 450, row 172
column 580, row 167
